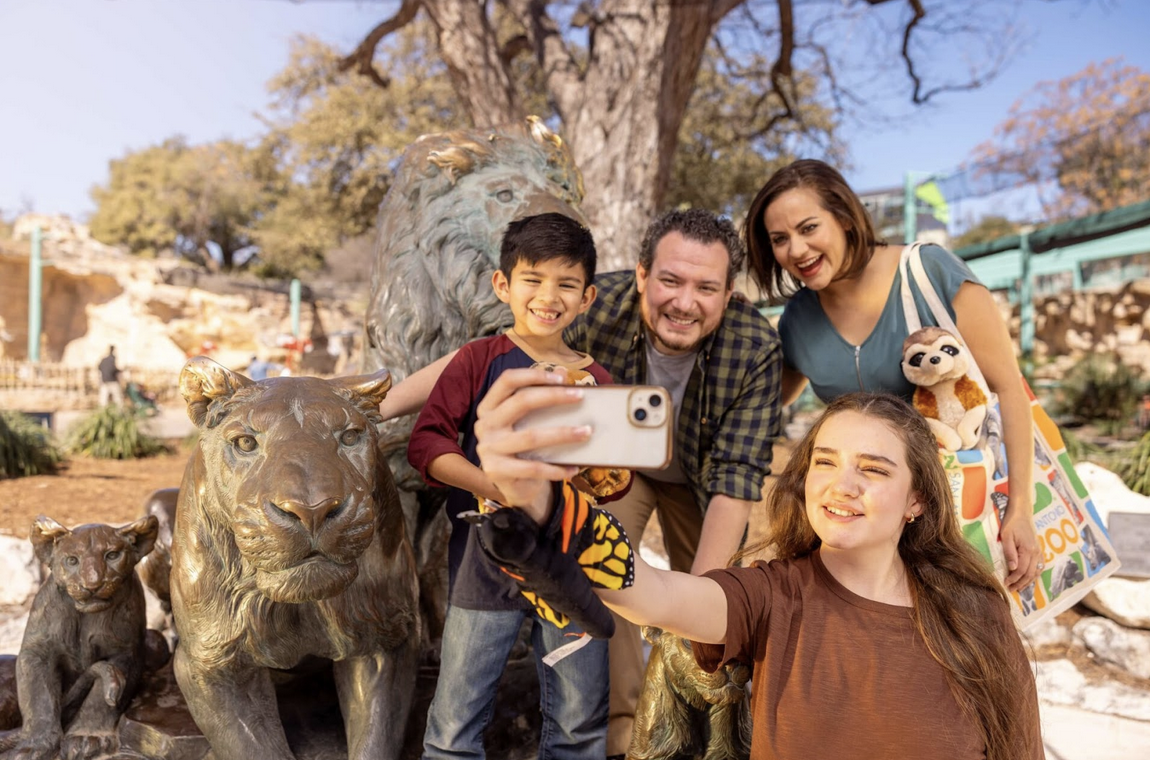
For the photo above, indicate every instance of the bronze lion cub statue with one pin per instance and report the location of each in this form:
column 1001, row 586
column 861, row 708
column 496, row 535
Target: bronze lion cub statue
column 82, row 656
column 289, row 543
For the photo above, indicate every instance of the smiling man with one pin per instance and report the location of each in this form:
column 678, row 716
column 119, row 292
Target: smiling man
column 672, row 322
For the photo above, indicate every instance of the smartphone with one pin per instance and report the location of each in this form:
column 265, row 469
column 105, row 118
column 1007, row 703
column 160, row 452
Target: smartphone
column 631, row 427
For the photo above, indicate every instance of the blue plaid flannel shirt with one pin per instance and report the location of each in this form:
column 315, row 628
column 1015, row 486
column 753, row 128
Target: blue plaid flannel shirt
column 731, row 409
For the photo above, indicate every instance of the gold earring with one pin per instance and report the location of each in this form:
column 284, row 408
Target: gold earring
column 912, row 518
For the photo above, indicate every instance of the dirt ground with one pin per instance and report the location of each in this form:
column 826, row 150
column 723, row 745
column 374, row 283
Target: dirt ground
column 113, row 491
column 88, row 490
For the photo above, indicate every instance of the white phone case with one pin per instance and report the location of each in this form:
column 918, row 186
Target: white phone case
column 631, row 427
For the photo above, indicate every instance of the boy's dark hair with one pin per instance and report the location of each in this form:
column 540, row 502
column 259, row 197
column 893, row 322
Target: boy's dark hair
column 543, row 237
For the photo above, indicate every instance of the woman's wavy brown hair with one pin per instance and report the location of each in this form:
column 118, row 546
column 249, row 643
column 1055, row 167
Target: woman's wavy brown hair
column 953, row 590
column 836, row 196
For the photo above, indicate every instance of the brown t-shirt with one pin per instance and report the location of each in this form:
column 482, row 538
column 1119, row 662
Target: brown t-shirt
column 839, row 676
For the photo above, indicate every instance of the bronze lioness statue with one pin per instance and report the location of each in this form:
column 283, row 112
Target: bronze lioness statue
column 289, row 543
column 83, row 652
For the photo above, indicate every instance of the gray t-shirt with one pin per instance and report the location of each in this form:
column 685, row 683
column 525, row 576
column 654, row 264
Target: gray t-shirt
column 835, row 367
column 673, row 373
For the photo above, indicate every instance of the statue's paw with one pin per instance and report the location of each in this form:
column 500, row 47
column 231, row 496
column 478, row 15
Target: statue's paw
column 83, row 746
column 114, row 683
column 39, row 747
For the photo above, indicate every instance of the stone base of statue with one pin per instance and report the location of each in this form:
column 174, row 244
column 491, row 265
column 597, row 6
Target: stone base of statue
column 158, row 725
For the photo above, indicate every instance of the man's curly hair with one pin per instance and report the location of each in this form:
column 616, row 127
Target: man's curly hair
column 700, row 226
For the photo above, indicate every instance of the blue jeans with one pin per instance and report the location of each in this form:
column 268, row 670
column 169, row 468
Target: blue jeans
column 572, row 692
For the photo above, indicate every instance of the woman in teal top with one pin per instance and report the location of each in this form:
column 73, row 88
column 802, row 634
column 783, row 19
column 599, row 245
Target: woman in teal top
column 809, row 240
column 833, row 365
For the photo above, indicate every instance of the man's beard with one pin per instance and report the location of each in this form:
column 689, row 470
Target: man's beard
column 682, row 346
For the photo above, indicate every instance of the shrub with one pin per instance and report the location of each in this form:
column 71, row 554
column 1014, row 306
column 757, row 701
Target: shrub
column 1133, row 466
column 26, row 447
column 112, row 432
column 1103, row 390
column 1079, row 449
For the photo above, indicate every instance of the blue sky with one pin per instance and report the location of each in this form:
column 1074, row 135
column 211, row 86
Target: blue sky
column 84, row 81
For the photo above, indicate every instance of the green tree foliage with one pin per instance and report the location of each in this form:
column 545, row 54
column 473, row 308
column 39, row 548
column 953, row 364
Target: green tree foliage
column 180, row 197
column 988, row 228
column 26, row 448
column 334, row 140
column 313, row 180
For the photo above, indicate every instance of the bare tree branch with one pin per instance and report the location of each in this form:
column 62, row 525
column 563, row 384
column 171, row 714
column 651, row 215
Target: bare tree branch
column 363, row 57
column 722, row 7
column 782, row 72
column 918, row 13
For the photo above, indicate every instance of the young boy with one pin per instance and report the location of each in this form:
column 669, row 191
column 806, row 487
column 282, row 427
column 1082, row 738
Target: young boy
column 546, row 266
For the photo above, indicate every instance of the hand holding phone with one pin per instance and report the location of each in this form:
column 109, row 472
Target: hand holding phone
column 631, row 427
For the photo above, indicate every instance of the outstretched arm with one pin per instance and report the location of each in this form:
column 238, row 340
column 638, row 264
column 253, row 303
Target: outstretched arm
column 455, row 470
column 690, row 606
column 409, row 396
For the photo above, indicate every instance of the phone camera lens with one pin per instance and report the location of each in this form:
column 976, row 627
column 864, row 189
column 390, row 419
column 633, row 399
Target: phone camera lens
column 656, row 399
column 640, row 414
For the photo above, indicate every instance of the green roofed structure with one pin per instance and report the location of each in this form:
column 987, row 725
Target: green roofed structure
column 1101, row 250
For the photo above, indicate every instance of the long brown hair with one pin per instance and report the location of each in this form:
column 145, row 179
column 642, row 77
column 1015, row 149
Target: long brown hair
column 835, row 196
column 953, row 590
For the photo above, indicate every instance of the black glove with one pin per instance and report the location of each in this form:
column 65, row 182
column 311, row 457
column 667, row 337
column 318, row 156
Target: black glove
column 557, row 566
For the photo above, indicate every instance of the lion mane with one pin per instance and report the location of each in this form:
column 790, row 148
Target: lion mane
column 439, row 231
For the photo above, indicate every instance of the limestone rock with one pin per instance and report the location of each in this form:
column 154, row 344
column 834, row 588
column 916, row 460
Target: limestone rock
column 140, row 338
column 12, row 633
column 1109, row 493
column 19, row 569
column 1048, row 633
column 1123, row 600
column 1127, row 648
column 1061, row 683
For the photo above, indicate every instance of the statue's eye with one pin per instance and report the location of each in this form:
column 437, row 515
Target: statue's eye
column 71, row 561
column 505, row 196
column 916, row 360
column 245, row 443
column 350, row 437
column 952, row 350
column 113, row 555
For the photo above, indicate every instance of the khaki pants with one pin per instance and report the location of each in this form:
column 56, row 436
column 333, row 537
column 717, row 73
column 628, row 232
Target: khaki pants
column 111, row 393
column 682, row 522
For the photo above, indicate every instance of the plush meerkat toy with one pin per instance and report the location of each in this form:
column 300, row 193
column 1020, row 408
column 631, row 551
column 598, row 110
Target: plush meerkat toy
column 953, row 404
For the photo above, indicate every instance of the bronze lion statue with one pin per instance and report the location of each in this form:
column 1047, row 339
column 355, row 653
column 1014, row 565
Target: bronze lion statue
column 437, row 246
column 289, row 543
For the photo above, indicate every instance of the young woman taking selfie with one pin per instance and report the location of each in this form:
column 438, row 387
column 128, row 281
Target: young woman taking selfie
column 877, row 632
